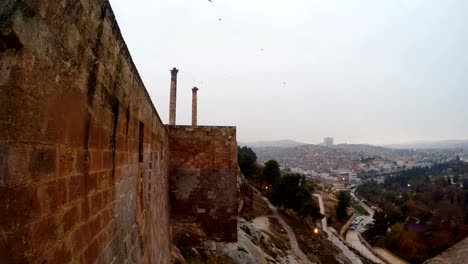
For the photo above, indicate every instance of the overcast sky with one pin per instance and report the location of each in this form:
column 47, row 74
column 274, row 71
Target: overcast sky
column 359, row 71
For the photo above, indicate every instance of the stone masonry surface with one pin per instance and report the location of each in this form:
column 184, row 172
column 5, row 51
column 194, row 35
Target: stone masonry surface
column 202, row 172
column 84, row 156
column 83, row 175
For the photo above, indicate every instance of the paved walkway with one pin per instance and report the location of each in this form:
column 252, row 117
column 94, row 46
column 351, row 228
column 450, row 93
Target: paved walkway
column 388, row 257
column 352, row 238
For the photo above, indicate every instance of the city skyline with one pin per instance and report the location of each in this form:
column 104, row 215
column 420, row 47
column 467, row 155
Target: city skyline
column 362, row 72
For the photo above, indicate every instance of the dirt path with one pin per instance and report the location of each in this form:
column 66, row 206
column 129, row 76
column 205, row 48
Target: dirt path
column 261, row 222
column 295, row 250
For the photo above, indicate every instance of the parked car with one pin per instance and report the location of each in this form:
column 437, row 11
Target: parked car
column 352, row 227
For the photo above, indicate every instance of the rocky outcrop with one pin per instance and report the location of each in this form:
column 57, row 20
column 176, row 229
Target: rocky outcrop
column 243, row 189
column 457, row 254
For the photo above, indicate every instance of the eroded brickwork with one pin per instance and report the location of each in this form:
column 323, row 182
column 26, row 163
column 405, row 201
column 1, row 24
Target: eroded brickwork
column 203, row 178
column 83, row 153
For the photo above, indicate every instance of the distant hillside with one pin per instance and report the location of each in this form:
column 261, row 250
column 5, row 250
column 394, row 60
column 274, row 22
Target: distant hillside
column 285, row 143
column 321, row 158
column 371, row 150
column 442, row 144
column 309, row 157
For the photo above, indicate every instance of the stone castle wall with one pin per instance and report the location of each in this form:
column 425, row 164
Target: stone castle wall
column 84, row 156
column 83, row 152
column 203, row 179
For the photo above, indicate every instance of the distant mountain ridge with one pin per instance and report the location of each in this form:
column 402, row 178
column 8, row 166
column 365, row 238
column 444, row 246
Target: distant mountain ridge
column 440, row 144
column 284, row 143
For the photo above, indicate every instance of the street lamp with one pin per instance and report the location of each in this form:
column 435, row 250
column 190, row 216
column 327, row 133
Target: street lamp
column 316, row 230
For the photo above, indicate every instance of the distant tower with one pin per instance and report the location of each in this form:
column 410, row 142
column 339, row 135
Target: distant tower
column 172, row 103
column 328, row 141
column 194, row 106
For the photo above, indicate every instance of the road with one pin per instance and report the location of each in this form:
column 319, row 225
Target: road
column 335, row 240
column 352, row 237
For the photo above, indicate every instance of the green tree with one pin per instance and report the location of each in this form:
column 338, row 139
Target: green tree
column 368, row 189
column 271, row 172
column 380, row 227
column 310, row 208
column 394, row 215
column 392, row 238
column 292, row 192
column 247, row 160
column 344, row 200
column 284, row 193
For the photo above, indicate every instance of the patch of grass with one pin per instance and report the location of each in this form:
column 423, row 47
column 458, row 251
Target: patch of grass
column 279, row 243
column 330, row 213
column 254, row 206
column 185, row 243
column 317, row 248
column 359, row 209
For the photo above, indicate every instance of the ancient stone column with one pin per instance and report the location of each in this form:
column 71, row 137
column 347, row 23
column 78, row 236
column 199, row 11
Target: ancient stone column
column 194, row 106
column 172, row 103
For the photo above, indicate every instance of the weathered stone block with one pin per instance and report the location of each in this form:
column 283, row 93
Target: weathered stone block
column 66, row 160
column 96, row 203
column 70, row 217
column 76, row 187
column 95, row 158
column 42, row 165
column 54, row 193
column 15, row 164
column 201, row 178
column 91, row 253
column 91, row 182
column 43, row 234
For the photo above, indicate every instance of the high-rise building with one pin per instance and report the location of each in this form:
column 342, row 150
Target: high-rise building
column 328, row 141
